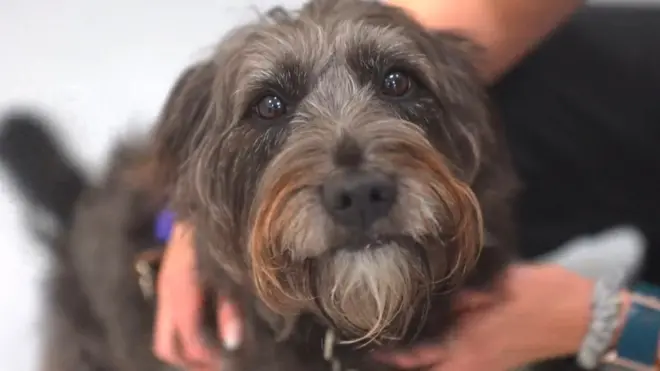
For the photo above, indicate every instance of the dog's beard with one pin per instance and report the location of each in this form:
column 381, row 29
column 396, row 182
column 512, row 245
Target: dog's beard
column 296, row 253
column 374, row 294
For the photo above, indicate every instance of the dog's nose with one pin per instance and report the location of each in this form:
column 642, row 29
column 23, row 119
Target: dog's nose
column 359, row 198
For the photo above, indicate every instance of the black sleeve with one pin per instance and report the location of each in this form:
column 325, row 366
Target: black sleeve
column 582, row 116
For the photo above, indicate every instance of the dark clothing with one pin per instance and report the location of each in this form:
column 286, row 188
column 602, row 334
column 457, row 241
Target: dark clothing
column 582, row 116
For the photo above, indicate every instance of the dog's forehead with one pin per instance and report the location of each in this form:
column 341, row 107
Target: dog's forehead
column 313, row 43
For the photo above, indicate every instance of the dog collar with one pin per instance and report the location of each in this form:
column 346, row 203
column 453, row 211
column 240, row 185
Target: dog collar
column 163, row 226
column 147, row 262
column 329, row 343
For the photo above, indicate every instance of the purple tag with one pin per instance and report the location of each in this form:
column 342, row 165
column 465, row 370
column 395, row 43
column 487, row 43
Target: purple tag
column 163, row 226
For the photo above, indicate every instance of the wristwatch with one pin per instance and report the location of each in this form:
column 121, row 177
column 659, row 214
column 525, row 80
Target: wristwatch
column 636, row 348
column 638, row 343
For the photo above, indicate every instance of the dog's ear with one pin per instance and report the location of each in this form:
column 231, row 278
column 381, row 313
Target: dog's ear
column 187, row 105
column 488, row 163
column 460, row 51
column 459, row 88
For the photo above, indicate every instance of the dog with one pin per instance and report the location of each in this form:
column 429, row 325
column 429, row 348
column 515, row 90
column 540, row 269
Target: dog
column 345, row 178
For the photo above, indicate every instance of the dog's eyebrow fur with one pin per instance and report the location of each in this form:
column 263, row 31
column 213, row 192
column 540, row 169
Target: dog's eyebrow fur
column 271, row 63
column 368, row 61
column 289, row 80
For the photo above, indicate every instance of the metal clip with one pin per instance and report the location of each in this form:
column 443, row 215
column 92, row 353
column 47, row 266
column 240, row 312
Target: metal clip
column 145, row 279
column 329, row 343
column 145, row 267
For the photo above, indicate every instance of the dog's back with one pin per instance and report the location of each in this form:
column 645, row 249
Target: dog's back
column 97, row 319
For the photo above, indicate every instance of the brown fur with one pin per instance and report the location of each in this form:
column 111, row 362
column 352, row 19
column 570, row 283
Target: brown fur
column 250, row 187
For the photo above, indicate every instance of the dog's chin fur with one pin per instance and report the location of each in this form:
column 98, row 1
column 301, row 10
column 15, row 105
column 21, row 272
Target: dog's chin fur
column 371, row 294
column 250, row 187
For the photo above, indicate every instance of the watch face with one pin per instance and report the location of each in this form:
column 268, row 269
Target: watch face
column 637, row 347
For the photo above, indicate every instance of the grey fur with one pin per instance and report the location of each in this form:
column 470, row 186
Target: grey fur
column 251, row 189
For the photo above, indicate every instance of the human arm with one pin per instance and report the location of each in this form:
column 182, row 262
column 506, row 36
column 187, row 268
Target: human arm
column 179, row 299
column 544, row 313
column 177, row 338
column 506, row 29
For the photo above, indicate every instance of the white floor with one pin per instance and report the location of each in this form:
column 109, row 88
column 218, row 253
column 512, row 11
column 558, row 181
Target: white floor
column 100, row 66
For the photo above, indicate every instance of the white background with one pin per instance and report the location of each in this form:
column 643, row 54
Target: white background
column 102, row 67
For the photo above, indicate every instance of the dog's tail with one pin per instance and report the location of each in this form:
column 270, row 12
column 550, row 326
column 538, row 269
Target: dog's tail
column 38, row 164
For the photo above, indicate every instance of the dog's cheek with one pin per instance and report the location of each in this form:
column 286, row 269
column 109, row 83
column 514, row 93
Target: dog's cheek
column 426, row 111
column 246, row 153
column 445, row 129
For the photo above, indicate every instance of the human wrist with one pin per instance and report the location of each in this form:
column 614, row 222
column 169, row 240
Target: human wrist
column 505, row 29
column 572, row 313
column 567, row 311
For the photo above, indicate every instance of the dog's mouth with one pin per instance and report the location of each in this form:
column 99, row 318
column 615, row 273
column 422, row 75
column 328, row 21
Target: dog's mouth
column 364, row 242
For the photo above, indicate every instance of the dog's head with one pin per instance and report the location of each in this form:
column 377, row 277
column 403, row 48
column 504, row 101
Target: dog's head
column 328, row 159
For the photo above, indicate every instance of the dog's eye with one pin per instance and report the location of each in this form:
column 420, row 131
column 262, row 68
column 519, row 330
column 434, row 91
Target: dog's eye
column 270, row 107
column 396, row 84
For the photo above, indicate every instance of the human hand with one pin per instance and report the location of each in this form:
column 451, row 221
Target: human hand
column 544, row 314
column 177, row 336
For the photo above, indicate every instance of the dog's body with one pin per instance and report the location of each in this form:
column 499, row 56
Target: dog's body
column 342, row 173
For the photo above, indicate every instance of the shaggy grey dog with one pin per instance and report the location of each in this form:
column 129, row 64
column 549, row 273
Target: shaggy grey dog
column 344, row 178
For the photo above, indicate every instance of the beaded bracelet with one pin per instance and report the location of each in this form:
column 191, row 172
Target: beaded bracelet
column 605, row 314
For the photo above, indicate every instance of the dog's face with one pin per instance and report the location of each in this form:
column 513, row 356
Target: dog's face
column 332, row 154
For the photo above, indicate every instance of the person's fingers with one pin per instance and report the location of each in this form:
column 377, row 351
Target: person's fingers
column 164, row 339
column 188, row 323
column 435, row 358
column 177, row 333
column 177, row 337
column 474, row 300
column 230, row 325
column 207, row 367
column 460, row 364
column 421, row 356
